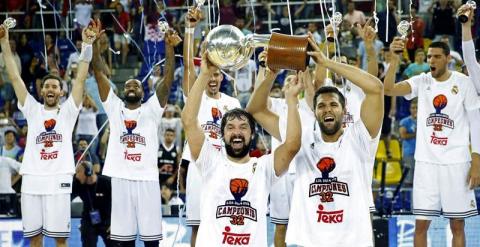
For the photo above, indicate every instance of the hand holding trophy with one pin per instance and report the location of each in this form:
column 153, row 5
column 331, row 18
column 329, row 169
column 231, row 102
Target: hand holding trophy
column 171, row 36
column 7, row 24
column 196, row 12
column 465, row 12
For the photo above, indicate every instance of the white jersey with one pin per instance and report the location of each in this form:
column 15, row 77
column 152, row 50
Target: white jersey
column 442, row 123
column 279, row 107
column 133, row 142
column 233, row 212
column 210, row 117
column 353, row 101
column 8, row 167
column 49, row 148
column 330, row 203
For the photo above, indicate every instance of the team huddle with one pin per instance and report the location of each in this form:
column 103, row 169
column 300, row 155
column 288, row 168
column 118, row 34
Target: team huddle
column 317, row 181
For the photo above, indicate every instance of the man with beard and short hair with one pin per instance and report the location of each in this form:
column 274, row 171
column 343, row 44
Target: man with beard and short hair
column 131, row 159
column 214, row 105
column 445, row 171
column 48, row 163
column 234, row 207
column 332, row 186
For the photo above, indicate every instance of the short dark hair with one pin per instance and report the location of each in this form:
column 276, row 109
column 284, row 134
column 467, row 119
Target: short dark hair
column 329, row 89
column 238, row 113
column 10, row 132
column 442, row 45
column 169, row 130
column 50, row 76
column 419, row 50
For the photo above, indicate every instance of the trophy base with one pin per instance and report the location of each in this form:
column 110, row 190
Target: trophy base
column 288, row 52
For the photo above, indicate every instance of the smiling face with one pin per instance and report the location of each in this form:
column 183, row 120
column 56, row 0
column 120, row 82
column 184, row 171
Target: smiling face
column 438, row 61
column 237, row 137
column 51, row 92
column 329, row 113
column 213, row 86
column 133, row 91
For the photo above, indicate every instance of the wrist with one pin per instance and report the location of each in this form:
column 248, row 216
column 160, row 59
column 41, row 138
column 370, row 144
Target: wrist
column 189, row 30
column 86, row 53
column 291, row 100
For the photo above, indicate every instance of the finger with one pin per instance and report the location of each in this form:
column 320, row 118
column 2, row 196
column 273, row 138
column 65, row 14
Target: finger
column 369, row 22
column 313, row 44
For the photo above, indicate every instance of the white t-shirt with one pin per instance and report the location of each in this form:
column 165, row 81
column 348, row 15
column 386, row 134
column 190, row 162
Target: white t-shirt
column 87, row 122
column 233, row 212
column 8, row 167
column 244, row 76
column 133, row 141
column 330, row 203
column 279, row 107
column 443, row 128
column 49, row 149
column 210, row 117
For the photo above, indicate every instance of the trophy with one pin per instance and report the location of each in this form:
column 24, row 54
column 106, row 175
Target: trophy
column 464, row 16
column 336, row 20
column 197, row 10
column 403, row 28
column 169, row 32
column 228, row 48
column 8, row 24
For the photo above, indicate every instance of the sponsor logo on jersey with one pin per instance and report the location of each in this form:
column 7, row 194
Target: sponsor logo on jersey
column 442, row 141
column 132, row 157
column 48, row 155
column 326, row 186
column 347, row 119
column 231, row 238
column 329, row 217
column 438, row 119
column 50, row 136
column 213, row 127
column 237, row 209
column 130, row 138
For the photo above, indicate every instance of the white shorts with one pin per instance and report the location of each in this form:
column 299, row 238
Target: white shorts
column 193, row 191
column 136, row 204
column 281, row 198
column 442, row 189
column 46, row 214
column 120, row 38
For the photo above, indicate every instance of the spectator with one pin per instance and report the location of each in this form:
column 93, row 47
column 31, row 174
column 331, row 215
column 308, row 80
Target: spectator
column 284, row 21
column 244, row 80
column 96, row 193
column 354, row 16
column 170, row 120
column 8, row 177
column 53, row 54
column 25, row 51
column 121, row 27
column 261, row 147
column 87, row 155
column 73, row 57
column 16, row 57
column 7, row 95
column 418, row 66
column 227, row 13
column 362, row 53
column 393, row 20
column 415, row 37
column 408, row 134
column 33, row 74
column 240, row 23
column 443, row 20
column 87, row 125
column 168, row 159
column 10, row 149
column 169, row 197
column 313, row 28
column 456, row 57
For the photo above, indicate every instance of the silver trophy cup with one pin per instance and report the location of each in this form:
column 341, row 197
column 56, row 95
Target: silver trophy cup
column 8, row 23
column 403, row 28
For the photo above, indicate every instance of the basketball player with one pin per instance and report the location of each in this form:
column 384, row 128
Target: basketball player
column 330, row 204
column 445, row 172
column 281, row 192
column 214, row 105
column 168, row 159
column 233, row 212
column 131, row 159
column 468, row 47
column 48, row 163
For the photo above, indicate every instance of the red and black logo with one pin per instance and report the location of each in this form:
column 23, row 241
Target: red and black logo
column 438, row 119
column 213, row 127
column 237, row 209
column 216, row 115
column 327, row 186
column 50, row 136
column 131, row 138
column 49, row 124
column 231, row 238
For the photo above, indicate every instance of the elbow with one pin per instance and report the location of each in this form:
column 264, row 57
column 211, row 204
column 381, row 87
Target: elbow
column 378, row 88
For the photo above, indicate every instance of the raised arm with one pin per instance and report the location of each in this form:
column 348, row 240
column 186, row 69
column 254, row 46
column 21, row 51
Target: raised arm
column 468, row 48
column 193, row 132
column 258, row 103
column 99, row 71
column 163, row 88
column 288, row 149
column 89, row 34
column 367, row 33
column 11, row 67
column 371, row 111
column 191, row 20
column 391, row 88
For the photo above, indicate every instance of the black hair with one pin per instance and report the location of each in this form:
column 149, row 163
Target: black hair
column 238, row 113
column 10, row 131
column 419, row 50
column 54, row 77
column 442, row 45
column 169, row 130
column 329, row 89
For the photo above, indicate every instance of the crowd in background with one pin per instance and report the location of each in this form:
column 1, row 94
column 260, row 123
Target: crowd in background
column 132, row 30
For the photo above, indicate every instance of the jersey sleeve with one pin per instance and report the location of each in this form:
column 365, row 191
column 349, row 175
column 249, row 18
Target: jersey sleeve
column 414, row 83
column 71, row 110
column 112, row 103
column 472, row 100
column 30, row 108
column 154, row 107
column 208, row 158
column 473, row 67
column 267, row 163
column 363, row 138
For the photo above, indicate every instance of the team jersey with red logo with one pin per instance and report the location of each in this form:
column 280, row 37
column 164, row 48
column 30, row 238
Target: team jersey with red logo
column 210, row 117
column 442, row 123
column 234, row 202
column 49, row 148
column 133, row 142
column 330, row 203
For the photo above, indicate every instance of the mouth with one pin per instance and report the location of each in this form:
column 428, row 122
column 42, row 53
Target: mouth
column 50, row 96
column 212, row 84
column 432, row 69
column 131, row 94
column 237, row 143
column 328, row 119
